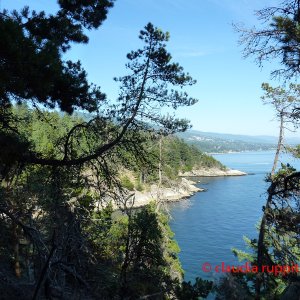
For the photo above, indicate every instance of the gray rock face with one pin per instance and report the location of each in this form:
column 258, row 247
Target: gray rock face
column 184, row 189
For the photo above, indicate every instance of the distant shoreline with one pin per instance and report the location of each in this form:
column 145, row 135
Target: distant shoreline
column 236, row 152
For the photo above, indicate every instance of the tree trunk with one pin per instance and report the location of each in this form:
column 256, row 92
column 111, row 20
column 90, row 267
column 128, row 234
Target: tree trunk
column 279, row 145
column 262, row 229
column 16, row 251
column 159, row 175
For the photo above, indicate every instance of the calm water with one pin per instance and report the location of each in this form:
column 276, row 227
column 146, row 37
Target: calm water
column 209, row 224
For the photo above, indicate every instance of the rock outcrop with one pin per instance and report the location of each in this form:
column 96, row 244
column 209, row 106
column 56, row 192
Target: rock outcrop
column 177, row 190
column 213, row 172
column 184, row 189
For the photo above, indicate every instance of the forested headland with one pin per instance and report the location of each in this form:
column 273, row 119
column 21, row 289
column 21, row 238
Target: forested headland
column 60, row 238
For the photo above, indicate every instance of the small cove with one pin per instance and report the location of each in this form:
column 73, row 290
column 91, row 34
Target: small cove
column 209, row 224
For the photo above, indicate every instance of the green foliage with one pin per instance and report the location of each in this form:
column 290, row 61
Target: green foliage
column 233, row 287
column 153, row 264
column 278, row 242
column 32, row 47
column 126, row 183
column 59, row 172
column 178, row 156
column 139, row 187
column 296, row 151
column 138, row 253
column 156, row 78
column 285, row 101
column 188, row 291
column 279, row 249
column 276, row 38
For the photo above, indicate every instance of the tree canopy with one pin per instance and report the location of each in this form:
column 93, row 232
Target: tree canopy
column 278, row 240
column 277, row 38
column 32, row 43
column 33, row 71
column 59, row 172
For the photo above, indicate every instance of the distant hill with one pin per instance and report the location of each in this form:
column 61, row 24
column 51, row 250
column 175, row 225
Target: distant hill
column 219, row 142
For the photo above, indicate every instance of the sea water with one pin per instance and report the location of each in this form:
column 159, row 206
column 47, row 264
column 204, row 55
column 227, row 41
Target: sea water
column 209, row 224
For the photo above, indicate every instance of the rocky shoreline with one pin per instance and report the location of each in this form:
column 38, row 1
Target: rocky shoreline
column 182, row 190
column 212, row 173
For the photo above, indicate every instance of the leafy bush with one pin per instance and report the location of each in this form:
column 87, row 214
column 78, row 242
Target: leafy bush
column 127, row 184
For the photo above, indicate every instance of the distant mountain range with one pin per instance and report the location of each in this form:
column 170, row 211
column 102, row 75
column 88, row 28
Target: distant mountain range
column 221, row 142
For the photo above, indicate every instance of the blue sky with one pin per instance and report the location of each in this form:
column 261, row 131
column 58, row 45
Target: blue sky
column 202, row 41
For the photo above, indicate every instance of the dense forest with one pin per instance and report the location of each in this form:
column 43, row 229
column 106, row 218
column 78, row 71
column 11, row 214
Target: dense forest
column 173, row 154
column 61, row 238
column 105, row 244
